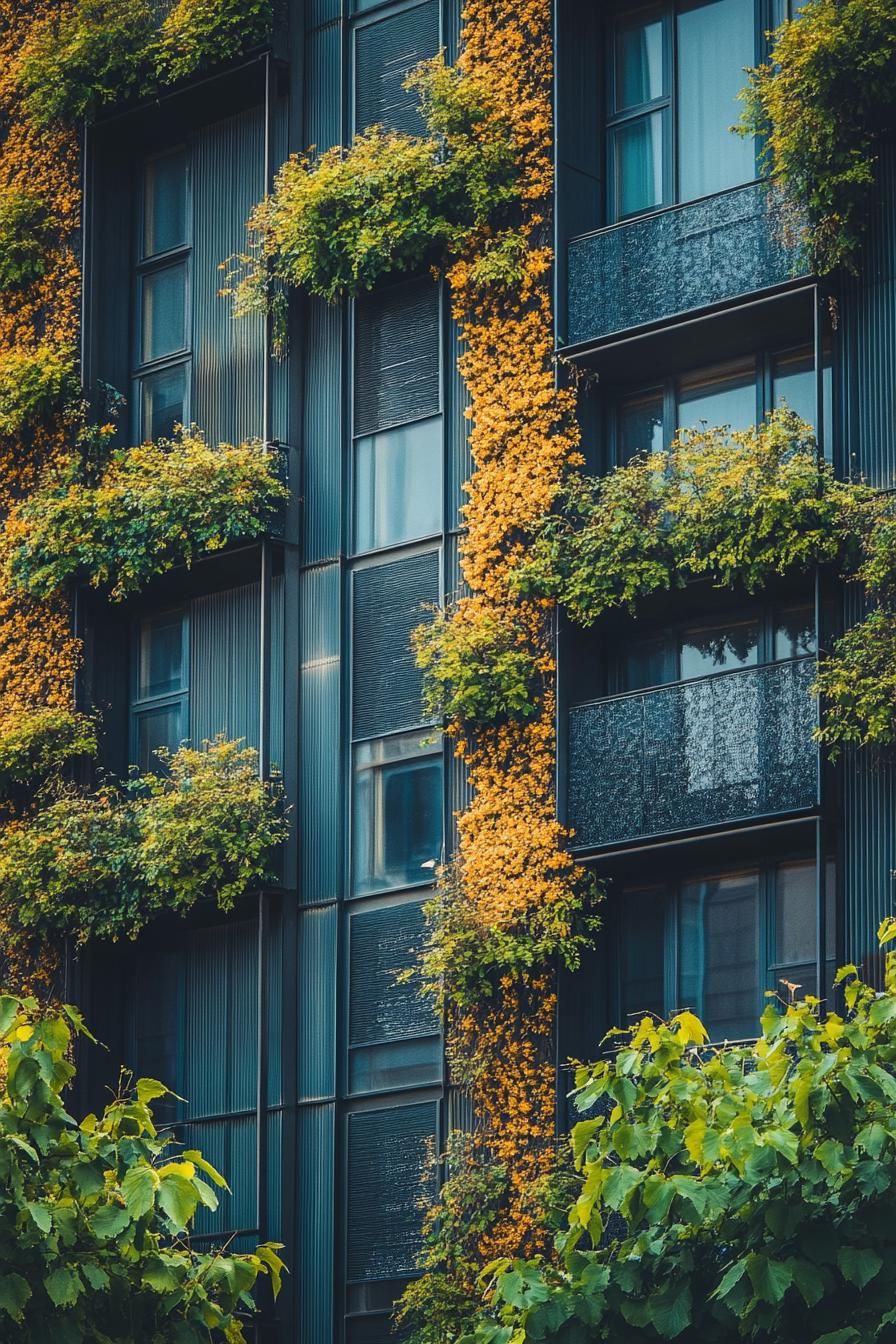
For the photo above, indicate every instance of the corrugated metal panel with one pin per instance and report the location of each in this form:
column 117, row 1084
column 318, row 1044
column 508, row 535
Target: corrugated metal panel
column 322, row 455
column 221, row 1019
column 388, row 1175
column 385, row 53
column 320, row 812
column 460, row 459
column 318, row 952
column 868, row 341
column 230, row 1146
column 396, row 356
column 274, row 985
column 383, row 943
column 323, row 87
column 460, row 795
column 228, row 356
column 389, row 601
column 225, row 665
column 312, row 1263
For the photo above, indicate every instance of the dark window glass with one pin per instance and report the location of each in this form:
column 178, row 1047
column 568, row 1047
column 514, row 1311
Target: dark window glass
column 794, row 632
column 163, row 402
column 157, row 728
column 638, row 153
column 165, row 203
column 397, row 812
column 161, row 655
column 716, row 41
column 640, row 425
column 376, row 1068
column 725, row 395
column 639, row 63
column 398, row 485
column 164, row 314
column 718, row 648
column 718, row 947
column 643, row 953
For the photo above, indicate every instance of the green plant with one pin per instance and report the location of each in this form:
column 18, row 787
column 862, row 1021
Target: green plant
column 24, row 229
column 390, row 204
column 740, row 1193
column 33, row 384
column 477, row 666
column 152, row 507
column 36, row 745
column 197, row 34
column 95, row 1217
column 104, row 864
column 819, row 104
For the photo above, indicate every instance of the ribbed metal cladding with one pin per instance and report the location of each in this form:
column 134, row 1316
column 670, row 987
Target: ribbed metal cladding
column 868, row 340
column 225, row 666
column 384, row 943
column 318, row 954
column 228, row 356
column 460, row 459
column 396, row 355
column 320, row 812
column 323, row 85
column 385, row 53
column 313, row 1260
column 388, row 602
column 322, row 456
column 388, row 1177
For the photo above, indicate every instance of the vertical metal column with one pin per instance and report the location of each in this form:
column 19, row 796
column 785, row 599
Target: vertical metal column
column 821, row 920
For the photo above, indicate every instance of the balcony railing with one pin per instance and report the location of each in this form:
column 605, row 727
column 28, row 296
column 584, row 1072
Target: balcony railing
column 693, row 754
column 676, row 261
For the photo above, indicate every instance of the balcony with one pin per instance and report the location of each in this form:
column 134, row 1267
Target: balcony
column 675, row 262
column 693, row 754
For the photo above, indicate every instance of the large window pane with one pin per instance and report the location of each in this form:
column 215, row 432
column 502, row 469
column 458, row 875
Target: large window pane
column 639, row 64
column 165, row 203
column 164, row 330
column 795, row 914
column 718, row 944
column 163, row 402
column 640, row 425
column 718, row 648
column 722, row 396
column 161, row 655
column 398, row 485
column 163, row 727
column 638, row 155
column 715, row 43
column 396, row 812
column 794, row 632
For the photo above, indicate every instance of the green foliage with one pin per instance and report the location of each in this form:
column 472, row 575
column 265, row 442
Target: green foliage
column 389, row 205
column 740, row 1193
column 24, row 229
column 34, row 384
column 104, row 864
column 819, row 104
column 858, row 684
column 101, row 52
column 737, row 507
column 36, row 745
column 95, row 1217
column 152, row 507
column 478, row 668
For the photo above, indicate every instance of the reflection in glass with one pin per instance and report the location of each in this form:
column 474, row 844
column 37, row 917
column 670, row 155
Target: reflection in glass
column 715, row 44
column 396, row 812
column 794, row 386
column 164, row 330
column 718, row 954
column 163, row 727
column 163, row 402
column 639, row 164
column 723, row 396
column 161, row 655
column 639, row 64
column 794, row 632
column 165, row 203
column 718, row 648
column 398, row 485
column 408, row 1063
column 640, row 426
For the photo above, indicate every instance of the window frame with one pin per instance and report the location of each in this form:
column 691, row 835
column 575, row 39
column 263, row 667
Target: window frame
column 141, row 706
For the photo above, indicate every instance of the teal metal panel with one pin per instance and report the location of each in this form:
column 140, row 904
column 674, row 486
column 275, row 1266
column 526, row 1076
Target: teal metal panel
column 313, row 1257
column 220, row 1034
column 323, row 87
column 321, row 816
column 457, row 401
column 323, row 489
column 275, row 1229
column 230, row 1146
column 228, row 356
column 318, row 952
column 225, row 666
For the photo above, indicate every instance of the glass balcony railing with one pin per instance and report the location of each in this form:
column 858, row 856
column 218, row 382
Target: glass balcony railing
column 693, row 754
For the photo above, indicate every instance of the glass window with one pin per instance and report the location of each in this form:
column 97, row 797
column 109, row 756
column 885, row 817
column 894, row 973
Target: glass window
column 164, row 313
column 794, row 632
column 158, row 728
column 643, row 953
column 638, row 155
column 396, row 812
column 161, row 655
column 718, row 648
column 639, row 63
column 163, row 402
column 725, row 395
column 165, row 203
column 640, row 425
column 716, row 41
column 393, row 1064
column 718, row 954
column 398, row 485
column 793, row 385
column 159, row 707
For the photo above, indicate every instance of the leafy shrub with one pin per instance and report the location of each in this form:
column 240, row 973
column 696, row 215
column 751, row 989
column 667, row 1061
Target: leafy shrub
column 818, row 105
column 726, row 1194
column 478, row 667
column 104, row 864
column 153, row 507
column 392, row 203
column 36, row 744
column 23, row 238
column 34, row 384
column 95, row 1217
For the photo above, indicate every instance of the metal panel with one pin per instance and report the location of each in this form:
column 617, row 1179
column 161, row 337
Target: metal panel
column 320, row 811
column 228, row 356
column 460, row 459
column 220, row 1018
column 313, row 1260
column 385, row 53
column 396, row 355
column 674, row 262
column 384, row 943
column 693, row 754
column 318, row 953
column 389, row 601
column 323, row 87
column 322, row 456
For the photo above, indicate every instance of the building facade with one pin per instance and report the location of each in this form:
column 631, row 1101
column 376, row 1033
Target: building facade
column 735, row 855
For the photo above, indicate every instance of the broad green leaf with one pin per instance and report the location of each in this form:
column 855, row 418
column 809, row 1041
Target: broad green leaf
column 178, row 1198
column 770, row 1278
column 807, row 1279
column 95, row 1275
column 109, row 1220
column 14, row 1294
column 192, row 1155
column 139, row 1190
column 63, row 1286
column 149, row 1089
column 859, row 1266
column 620, row 1183
column 40, row 1216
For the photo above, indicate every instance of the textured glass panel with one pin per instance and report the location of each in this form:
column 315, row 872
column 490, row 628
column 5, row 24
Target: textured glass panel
column 165, row 203
column 643, row 953
column 157, row 728
column 715, row 43
column 718, row 648
column 374, row 1068
column 396, row 813
column 723, row 396
column 795, row 913
column 639, row 164
column 640, row 425
column 639, row 64
column 398, row 485
column 163, row 402
column 693, row 754
column 388, row 1178
column 794, row 632
column 718, row 954
column 161, row 654
column 164, row 313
